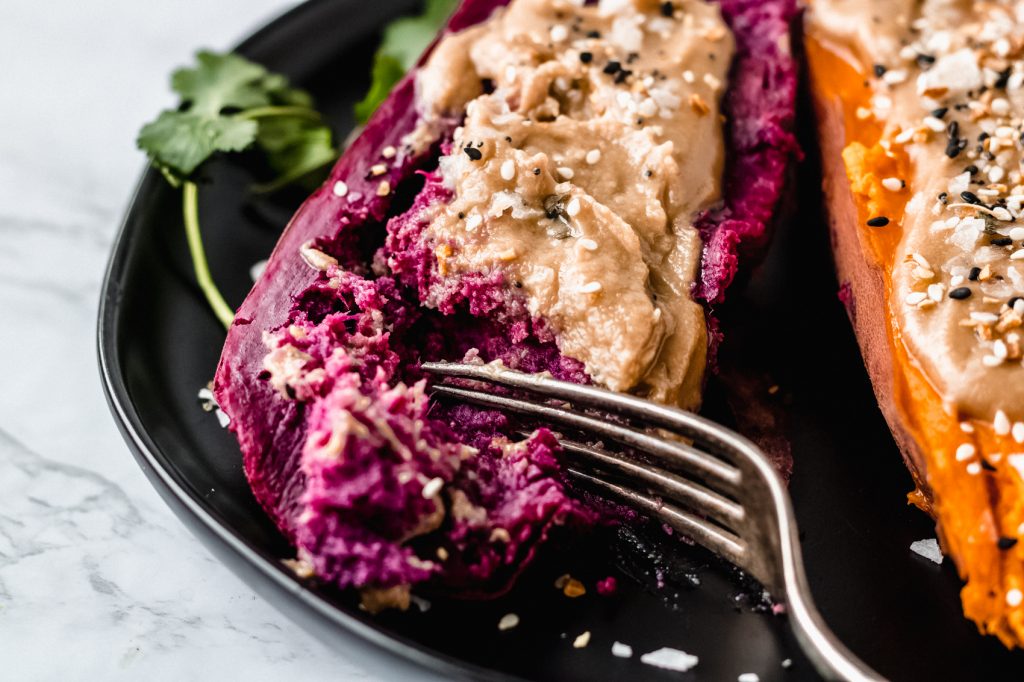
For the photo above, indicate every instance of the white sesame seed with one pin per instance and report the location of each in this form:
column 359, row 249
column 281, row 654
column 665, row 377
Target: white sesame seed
column 508, row 621
column 573, row 207
column 995, row 174
column 984, row 318
column 1018, row 432
column 915, row 297
column 1000, row 106
column 378, row 169
column 934, row 124
column 582, row 641
column 510, row 73
column 621, row 650
column 1018, row 306
column 388, row 152
column 711, row 81
column 1001, row 423
column 688, row 76
column 1017, row 234
column 966, row 427
column 935, row 292
column 787, row 662
column 892, row 184
column 474, row 221
column 565, row 172
column 956, row 280
column 894, row 76
column 964, row 452
column 508, row 169
column 1017, row 255
column 991, row 361
column 340, row 189
column 1014, row 597
column 559, row 32
column 588, row 244
column 920, row 260
column 748, row 677
column 432, row 487
column 974, row 468
column 591, row 288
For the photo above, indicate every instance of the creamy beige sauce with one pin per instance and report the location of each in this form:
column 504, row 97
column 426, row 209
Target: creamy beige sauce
column 964, row 57
column 586, row 165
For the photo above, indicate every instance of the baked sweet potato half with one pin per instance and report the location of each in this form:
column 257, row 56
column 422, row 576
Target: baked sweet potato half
column 559, row 186
column 919, row 118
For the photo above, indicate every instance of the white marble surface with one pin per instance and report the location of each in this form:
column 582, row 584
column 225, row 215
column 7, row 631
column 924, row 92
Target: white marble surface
column 98, row 581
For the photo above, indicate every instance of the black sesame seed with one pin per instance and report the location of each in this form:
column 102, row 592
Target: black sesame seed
column 1001, row 241
column 970, row 197
column 1003, row 79
column 880, row 221
column 986, row 466
column 954, row 148
column 960, row 293
column 1006, row 543
column 518, row 284
column 925, row 60
column 508, row 139
column 974, row 274
column 940, row 112
column 622, row 75
column 943, row 196
column 612, row 67
column 667, row 9
column 593, row 34
column 586, row 57
column 953, row 130
column 461, row 215
column 264, row 375
column 632, row 57
column 880, row 70
column 1013, row 301
column 972, row 169
column 536, row 171
column 473, row 153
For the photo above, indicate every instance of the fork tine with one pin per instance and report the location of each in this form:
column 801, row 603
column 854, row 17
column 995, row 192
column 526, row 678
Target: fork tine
column 688, row 424
column 673, row 453
column 707, row 534
column 664, row 484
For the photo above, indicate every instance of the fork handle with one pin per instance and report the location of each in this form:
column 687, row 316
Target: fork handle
column 828, row 655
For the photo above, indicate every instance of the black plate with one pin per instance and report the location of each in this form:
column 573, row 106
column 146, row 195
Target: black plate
column 158, row 344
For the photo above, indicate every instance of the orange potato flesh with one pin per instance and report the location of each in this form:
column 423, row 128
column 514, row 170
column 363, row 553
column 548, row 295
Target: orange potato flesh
column 972, row 510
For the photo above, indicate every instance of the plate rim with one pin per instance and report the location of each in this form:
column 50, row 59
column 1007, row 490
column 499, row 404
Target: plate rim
column 148, row 455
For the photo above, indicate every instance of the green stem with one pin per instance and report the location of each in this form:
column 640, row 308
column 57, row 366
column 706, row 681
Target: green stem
column 190, row 207
column 273, row 111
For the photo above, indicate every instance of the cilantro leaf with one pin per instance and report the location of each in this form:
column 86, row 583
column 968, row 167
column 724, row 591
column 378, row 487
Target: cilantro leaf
column 404, row 41
column 229, row 104
column 225, row 101
column 221, row 81
column 181, row 140
column 387, row 71
column 294, row 148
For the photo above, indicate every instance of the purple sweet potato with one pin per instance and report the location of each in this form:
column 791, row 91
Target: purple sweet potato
column 377, row 488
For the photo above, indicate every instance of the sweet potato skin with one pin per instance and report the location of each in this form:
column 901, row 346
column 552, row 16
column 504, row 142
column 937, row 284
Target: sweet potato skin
column 861, row 278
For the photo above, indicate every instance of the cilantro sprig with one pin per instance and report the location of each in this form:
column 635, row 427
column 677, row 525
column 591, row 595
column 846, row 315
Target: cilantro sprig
column 230, row 104
column 403, row 42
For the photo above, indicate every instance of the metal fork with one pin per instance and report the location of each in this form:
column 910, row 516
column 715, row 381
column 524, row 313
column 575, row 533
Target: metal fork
column 721, row 491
